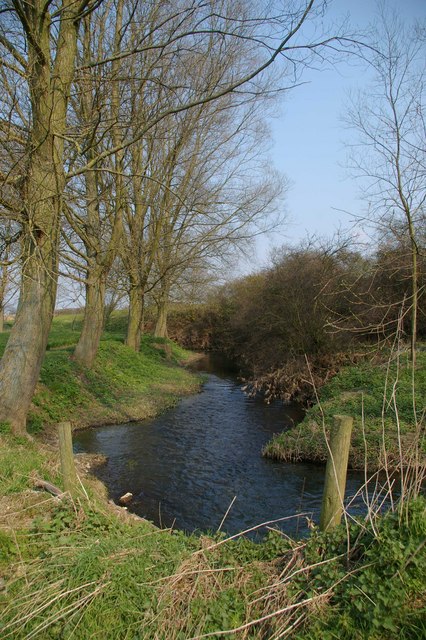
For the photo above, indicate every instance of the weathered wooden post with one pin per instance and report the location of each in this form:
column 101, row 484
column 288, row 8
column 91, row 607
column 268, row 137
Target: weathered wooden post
column 335, row 473
column 69, row 474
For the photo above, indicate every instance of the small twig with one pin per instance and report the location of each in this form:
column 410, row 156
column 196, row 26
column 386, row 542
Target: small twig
column 255, row 528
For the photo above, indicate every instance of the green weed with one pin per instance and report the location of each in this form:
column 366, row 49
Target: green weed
column 378, row 588
column 381, row 402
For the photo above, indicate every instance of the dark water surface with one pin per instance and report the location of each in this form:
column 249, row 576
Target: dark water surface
column 186, row 466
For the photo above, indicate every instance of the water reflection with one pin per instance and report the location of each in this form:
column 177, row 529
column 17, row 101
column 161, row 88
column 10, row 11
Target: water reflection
column 186, row 466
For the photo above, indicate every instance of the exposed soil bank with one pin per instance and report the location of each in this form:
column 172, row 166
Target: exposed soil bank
column 300, row 378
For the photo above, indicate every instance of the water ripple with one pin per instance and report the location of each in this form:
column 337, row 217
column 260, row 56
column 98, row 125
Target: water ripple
column 187, row 465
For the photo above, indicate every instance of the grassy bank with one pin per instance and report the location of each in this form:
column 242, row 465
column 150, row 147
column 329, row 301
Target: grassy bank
column 83, row 569
column 121, row 386
column 80, row 570
column 379, row 396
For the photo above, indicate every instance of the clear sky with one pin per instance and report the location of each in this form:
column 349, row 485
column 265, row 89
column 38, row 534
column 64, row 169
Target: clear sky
column 309, row 136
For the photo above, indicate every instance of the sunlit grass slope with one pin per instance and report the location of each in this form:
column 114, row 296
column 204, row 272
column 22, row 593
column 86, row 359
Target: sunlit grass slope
column 122, row 385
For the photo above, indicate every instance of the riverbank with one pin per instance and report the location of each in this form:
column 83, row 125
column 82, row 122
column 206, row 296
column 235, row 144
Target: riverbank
column 379, row 396
column 79, row 568
column 122, row 386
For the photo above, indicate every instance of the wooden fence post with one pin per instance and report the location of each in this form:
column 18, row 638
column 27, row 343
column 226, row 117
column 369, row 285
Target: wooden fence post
column 335, row 473
column 69, row 474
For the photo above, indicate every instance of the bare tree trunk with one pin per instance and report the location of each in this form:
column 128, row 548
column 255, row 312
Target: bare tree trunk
column 410, row 226
column 102, row 256
column 98, row 265
column 109, row 307
column 161, row 324
column 136, row 318
column 42, row 191
column 414, row 287
column 162, row 310
column 4, row 279
column 23, row 356
column 138, row 250
column 93, row 322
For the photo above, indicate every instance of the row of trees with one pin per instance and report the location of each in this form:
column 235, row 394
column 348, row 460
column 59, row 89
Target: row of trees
column 336, row 293
column 130, row 133
column 317, row 300
column 131, row 152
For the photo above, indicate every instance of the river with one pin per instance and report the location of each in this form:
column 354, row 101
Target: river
column 185, row 467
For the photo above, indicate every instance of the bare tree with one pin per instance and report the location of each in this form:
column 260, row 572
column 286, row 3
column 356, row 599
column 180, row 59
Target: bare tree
column 43, row 53
column 104, row 202
column 391, row 155
column 39, row 43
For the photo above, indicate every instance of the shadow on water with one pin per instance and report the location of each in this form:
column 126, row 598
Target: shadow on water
column 186, row 466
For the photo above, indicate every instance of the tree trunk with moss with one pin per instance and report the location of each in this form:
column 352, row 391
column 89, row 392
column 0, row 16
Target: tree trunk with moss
column 42, row 188
column 93, row 321
column 136, row 318
column 162, row 311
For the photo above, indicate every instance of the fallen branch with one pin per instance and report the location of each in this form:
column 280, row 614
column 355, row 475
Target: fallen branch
column 47, row 486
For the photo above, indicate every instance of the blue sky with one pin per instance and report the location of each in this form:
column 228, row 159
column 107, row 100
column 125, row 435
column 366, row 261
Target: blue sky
column 309, row 139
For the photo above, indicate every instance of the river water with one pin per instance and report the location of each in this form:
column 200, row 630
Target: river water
column 185, row 467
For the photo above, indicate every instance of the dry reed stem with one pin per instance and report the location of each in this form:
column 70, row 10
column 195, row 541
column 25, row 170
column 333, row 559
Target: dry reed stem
column 289, row 608
column 31, row 605
column 226, row 514
column 48, row 603
column 269, row 616
column 82, row 602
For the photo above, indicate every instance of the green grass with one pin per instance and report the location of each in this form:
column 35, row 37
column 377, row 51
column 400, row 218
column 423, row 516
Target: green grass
column 18, row 458
column 80, row 570
column 381, row 393
column 76, row 570
column 377, row 587
column 65, row 331
column 122, row 385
